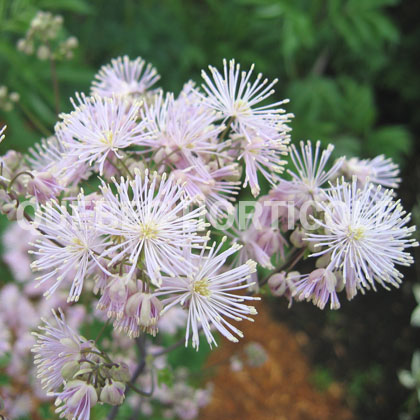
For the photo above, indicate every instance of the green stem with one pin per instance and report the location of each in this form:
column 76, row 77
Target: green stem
column 227, row 129
column 102, row 331
column 9, row 188
column 293, row 258
column 125, row 168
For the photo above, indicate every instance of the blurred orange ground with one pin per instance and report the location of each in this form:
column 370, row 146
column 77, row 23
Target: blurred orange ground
column 278, row 390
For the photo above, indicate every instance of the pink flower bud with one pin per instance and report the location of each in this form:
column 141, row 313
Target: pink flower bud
column 277, row 283
column 297, row 238
column 113, row 393
column 146, row 309
column 43, row 186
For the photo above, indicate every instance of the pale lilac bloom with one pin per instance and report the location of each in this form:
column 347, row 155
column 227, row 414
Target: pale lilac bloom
column 113, row 392
column 264, row 156
column 45, row 154
column 50, row 155
column 259, row 238
column 43, row 186
column 310, row 173
column 183, row 129
column 153, row 220
column 124, row 77
column 114, row 297
column 133, row 309
column 17, row 406
column 16, row 246
column 250, row 248
column 319, row 286
column 183, row 401
column 146, row 309
column 365, row 231
column 77, row 399
column 20, row 321
column 100, row 126
column 68, row 247
column 211, row 294
column 283, row 284
column 380, row 171
column 56, row 345
column 210, row 186
column 236, row 98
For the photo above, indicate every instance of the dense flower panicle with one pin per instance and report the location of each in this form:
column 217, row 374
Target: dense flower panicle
column 68, row 247
column 365, row 234
column 152, row 218
column 99, row 126
column 236, row 98
column 212, row 295
column 56, row 345
column 183, row 129
column 77, row 399
column 139, row 240
column 379, row 171
column 124, row 77
column 310, row 173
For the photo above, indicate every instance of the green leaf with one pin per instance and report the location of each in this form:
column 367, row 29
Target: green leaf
column 393, row 141
column 78, row 6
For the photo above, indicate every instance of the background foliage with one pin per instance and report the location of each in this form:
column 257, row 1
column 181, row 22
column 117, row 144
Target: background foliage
column 348, row 66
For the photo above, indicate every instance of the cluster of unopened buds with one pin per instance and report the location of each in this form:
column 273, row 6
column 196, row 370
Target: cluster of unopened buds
column 45, row 38
column 165, row 236
column 7, row 99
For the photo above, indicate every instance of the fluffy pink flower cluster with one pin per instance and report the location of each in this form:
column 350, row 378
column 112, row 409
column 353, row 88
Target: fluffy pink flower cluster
column 140, row 247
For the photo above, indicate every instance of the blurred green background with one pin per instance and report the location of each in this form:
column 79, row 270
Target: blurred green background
column 350, row 69
column 347, row 65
